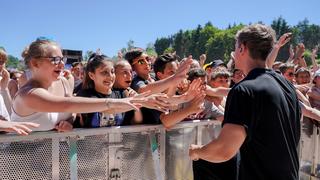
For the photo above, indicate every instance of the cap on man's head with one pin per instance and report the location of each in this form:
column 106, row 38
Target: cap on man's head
column 214, row 64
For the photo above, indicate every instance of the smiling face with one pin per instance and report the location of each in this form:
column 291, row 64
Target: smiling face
column 289, row 74
column 46, row 66
column 103, row 77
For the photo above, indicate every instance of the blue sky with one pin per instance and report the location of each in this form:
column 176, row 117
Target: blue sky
column 110, row 24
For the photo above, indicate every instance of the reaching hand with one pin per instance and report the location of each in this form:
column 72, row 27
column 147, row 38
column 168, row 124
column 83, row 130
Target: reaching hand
column 157, row 101
column 202, row 60
column 119, row 55
column 5, row 78
column 314, row 52
column 291, row 52
column 193, row 152
column 284, row 39
column 64, row 126
column 300, row 50
column 22, row 128
column 129, row 92
column 194, row 89
column 182, row 70
column 196, row 105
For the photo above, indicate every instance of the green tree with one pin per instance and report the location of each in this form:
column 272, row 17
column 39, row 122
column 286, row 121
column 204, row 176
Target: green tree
column 194, row 47
column 281, row 26
column 169, row 50
column 150, row 50
column 87, row 55
column 221, row 44
column 12, row 62
column 205, row 34
column 308, row 34
column 178, row 43
column 162, row 44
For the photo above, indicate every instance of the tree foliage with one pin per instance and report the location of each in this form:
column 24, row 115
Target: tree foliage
column 218, row 43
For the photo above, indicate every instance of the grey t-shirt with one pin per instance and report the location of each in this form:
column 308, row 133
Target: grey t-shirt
column 210, row 111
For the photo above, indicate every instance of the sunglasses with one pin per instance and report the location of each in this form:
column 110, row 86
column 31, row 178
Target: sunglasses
column 56, row 60
column 2, row 62
column 291, row 74
column 141, row 61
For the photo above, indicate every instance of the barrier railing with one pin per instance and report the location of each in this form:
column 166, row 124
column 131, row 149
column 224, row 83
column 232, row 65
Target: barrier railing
column 131, row 152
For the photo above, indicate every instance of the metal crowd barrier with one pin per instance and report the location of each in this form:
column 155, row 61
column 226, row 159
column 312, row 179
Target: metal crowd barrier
column 145, row 152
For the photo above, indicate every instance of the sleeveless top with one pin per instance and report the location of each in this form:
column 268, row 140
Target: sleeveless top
column 47, row 120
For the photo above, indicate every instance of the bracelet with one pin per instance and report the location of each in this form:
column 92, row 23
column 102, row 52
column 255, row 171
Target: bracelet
column 107, row 103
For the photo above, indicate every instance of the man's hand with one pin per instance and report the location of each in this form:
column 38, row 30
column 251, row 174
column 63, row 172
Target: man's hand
column 193, row 149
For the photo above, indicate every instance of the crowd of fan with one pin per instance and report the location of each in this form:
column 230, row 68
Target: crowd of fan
column 135, row 89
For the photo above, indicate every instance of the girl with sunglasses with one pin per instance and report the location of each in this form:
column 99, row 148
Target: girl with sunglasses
column 51, row 105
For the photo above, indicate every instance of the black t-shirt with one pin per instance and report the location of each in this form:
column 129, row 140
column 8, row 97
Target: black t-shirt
column 267, row 106
column 150, row 116
column 94, row 119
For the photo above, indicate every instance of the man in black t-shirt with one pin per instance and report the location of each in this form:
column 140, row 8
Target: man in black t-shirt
column 262, row 115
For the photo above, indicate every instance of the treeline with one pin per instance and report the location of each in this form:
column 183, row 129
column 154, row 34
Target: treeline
column 218, row 43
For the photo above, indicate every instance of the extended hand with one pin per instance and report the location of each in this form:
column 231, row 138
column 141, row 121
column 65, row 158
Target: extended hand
column 22, row 128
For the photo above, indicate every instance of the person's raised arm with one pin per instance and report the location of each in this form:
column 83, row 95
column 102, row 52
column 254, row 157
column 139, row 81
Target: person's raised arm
column 315, row 65
column 275, row 50
column 164, row 84
column 195, row 106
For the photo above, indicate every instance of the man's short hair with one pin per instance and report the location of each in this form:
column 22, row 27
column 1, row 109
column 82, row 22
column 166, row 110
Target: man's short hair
column 284, row 67
column 161, row 61
column 196, row 73
column 219, row 73
column 133, row 54
column 258, row 38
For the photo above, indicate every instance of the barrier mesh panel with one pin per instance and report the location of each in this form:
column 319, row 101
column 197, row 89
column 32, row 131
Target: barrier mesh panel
column 93, row 157
column 137, row 162
column 26, row 160
column 178, row 163
column 64, row 164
